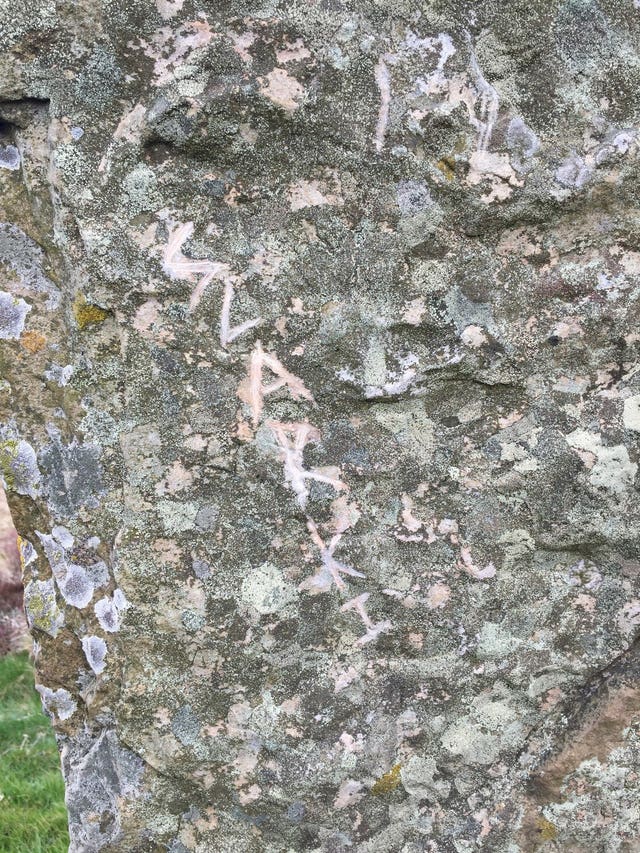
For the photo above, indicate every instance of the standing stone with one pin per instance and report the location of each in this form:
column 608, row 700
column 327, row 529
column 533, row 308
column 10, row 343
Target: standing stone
column 320, row 381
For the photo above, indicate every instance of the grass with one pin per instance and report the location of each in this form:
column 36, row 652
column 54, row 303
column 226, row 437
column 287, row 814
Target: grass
column 33, row 818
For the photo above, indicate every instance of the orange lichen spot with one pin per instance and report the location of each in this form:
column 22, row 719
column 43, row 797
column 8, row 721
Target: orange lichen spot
column 87, row 314
column 447, row 166
column 387, row 783
column 20, row 542
column 547, row 830
column 33, row 342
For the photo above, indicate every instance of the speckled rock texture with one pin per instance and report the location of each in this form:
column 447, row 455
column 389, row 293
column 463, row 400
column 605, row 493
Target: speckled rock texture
column 320, row 417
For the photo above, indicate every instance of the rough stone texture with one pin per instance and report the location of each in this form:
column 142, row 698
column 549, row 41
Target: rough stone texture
column 321, row 406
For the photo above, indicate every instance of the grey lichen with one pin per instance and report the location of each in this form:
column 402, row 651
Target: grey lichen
column 58, row 703
column 27, row 261
column 101, row 775
column 72, row 476
column 9, row 157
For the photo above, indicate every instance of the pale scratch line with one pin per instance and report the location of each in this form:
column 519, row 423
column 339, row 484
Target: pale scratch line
column 383, row 82
column 229, row 333
column 331, row 569
column 252, row 391
column 198, row 291
column 292, row 438
column 177, row 265
column 374, row 629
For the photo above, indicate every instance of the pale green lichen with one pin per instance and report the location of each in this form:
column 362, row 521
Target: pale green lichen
column 19, row 466
column 41, row 607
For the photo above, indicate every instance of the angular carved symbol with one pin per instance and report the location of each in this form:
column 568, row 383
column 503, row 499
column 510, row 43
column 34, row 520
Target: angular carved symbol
column 252, row 391
column 292, row 438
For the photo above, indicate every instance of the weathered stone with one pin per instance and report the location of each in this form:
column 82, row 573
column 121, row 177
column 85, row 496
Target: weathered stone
column 320, row 401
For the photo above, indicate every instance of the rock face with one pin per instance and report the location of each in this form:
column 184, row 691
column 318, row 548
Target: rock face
column 321, row 406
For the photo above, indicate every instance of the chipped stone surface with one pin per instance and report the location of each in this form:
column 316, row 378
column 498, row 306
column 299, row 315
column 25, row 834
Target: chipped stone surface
column 320, row 405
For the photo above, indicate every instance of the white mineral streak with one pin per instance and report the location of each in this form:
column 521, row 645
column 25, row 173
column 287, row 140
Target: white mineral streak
column 488, row 102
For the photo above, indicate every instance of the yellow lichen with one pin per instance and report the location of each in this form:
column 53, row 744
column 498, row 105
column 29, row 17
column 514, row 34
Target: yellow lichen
column 546, row 829
column 387, row 783
column 87, row 314
column 447, row 166
column 20, row 542
column 33, row 342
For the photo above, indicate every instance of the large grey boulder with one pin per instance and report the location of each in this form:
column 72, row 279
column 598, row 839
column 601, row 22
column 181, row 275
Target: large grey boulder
column 320, row 414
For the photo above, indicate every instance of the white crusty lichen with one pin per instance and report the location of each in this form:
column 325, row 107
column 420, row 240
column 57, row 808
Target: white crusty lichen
column 252, row 390
column 95, row 651
column 76, row 586
column 58, row 703
column 9, row 157
column 267, row 590
column 19, row 470
column 76, row 583
column 109, row 611
column 13, row 312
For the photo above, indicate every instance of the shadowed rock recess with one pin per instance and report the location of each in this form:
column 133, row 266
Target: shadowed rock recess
column 320, row 416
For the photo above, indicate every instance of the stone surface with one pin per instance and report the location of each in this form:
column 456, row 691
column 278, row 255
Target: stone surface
column 320, row 397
